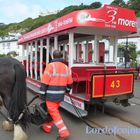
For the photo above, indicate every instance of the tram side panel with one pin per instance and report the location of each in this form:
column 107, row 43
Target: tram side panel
column 96, row 86
column 117, row 88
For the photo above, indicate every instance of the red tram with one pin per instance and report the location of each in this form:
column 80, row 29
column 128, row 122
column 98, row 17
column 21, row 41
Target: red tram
column 88, row 41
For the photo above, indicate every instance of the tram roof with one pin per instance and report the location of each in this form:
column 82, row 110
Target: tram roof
column 107, row 19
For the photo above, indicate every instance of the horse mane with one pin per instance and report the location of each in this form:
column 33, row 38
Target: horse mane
column 18, row 96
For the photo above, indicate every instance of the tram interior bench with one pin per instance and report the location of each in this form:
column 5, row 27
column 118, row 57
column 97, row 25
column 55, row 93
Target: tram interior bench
column 82, row 79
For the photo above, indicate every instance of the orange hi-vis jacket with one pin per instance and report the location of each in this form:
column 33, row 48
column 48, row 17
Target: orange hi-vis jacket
column 56, row 80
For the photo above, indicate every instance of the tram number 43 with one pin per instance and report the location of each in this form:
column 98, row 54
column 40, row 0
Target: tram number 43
column 115, row 84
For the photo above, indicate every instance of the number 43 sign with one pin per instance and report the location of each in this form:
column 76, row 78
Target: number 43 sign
column 115, row 84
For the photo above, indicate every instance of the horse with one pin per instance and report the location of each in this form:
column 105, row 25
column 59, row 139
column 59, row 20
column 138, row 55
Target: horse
column 13, row 94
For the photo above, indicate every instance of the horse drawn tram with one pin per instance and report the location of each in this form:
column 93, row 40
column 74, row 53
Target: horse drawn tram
column 88, row 41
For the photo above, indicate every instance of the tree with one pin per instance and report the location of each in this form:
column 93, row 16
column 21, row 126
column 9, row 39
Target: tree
column 134, row 4
column 138, row 14
column 129, row 53
column 119, row 3
column 95, row 5
column 138, row 52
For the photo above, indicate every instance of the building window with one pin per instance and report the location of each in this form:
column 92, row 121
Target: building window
column 3, row 45
column 8, row 45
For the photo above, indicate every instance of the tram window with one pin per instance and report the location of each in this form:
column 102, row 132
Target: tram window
column 106, row 50
column 101, row 59
column 61, row 48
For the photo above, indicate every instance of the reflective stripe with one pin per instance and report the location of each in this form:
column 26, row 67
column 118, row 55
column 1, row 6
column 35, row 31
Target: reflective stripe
column 57, row 74
column 42, row 92
column 48, row 126
column 70, row 71
column 54, row 68
column 67, row 71
column 63, row 128
column 46, row 72
column 57, row 88
column 55, row 91
column 59, row 122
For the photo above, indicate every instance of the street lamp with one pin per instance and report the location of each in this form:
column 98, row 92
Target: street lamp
column 126, row 52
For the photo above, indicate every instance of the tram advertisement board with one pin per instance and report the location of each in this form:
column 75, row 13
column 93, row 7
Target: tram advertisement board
column 112, row 84
column 107, row 17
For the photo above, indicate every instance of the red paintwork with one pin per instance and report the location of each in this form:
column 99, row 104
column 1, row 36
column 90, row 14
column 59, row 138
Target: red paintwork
column 83, row 75
column 114, row 85
column 89, row 52
column 138, row 74
column 101, row 52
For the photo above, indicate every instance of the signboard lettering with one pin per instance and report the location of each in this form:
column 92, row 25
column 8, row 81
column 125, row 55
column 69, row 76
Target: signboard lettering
column 126, row 22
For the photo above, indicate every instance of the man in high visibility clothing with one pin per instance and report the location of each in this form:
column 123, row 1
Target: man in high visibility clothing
column 56, row 80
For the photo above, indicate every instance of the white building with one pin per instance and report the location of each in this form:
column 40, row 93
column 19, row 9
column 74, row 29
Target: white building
column 46, row 13
column 9, row 44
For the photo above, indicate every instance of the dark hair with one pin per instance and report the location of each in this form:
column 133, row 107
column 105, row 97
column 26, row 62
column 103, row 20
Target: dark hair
column 57, row 54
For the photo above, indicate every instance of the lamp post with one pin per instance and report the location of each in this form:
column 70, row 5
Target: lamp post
column 126, row 52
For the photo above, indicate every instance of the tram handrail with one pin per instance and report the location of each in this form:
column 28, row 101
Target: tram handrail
column 118, row 69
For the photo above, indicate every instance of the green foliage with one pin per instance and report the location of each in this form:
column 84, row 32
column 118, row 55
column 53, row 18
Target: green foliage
column 2, row 55
column 138, row 52
column 71, row 9
column 78, row 7
column 131, row 46
column 131, row 50
column 133, row 55
column 134, row 4
column 121, row 46
column 119, row 3
column 138, row 14
column 26, row 25
column 95, row 5
column 12, row 54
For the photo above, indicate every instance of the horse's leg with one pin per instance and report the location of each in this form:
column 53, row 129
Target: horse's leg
column 19, row 134
column 7, row 125
column 1, row 103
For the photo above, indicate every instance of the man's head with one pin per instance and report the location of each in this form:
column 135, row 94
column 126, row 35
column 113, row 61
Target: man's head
column 57, row 54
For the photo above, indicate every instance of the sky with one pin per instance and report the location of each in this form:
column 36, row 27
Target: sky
column 17, row 10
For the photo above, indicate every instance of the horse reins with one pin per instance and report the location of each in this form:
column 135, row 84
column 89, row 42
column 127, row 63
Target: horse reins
column 25, row 109
column 4, row 116
column 22, row 113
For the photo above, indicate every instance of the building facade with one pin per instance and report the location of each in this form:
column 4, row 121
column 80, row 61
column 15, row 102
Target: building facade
column 9, row 44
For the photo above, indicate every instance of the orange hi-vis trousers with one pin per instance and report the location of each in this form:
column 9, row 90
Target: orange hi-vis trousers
column 57, row 119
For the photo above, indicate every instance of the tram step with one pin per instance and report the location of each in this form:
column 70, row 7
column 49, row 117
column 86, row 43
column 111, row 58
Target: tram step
column 33, row 88
column 64, row 105
column 72, row 110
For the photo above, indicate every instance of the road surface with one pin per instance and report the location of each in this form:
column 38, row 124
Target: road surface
column 115, row 117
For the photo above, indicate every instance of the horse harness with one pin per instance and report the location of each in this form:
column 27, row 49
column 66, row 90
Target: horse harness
column 26, row 108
